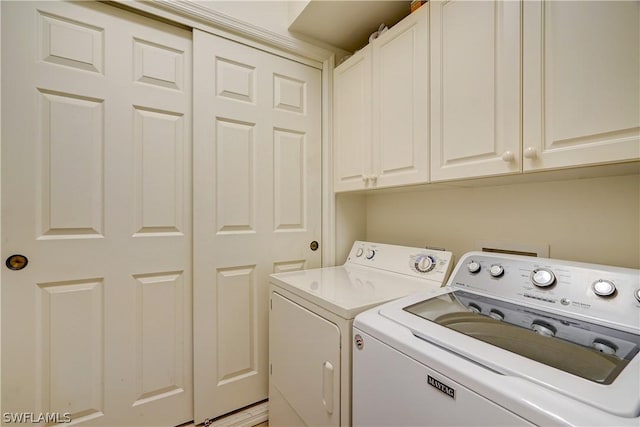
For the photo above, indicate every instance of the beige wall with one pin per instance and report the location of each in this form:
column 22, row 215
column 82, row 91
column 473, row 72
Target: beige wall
column 591, row 220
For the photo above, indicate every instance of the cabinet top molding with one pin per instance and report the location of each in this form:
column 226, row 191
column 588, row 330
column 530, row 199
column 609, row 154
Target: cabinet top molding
column 194, row 15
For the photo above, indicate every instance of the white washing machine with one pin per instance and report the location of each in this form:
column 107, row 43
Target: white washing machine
column 509, row 341
column 311, row 323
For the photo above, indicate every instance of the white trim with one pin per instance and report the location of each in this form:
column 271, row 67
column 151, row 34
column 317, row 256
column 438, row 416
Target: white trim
column 194, row 15
column 328, row 195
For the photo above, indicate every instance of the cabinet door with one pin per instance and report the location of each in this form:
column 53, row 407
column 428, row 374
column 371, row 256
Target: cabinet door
column 581, row 84
column 352, row 122
column 305, row 363
column 400, row 97
column 475, row 89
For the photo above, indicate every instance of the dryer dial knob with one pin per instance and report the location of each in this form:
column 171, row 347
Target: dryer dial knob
column 473, row 267
column 542, row 277
column 425, row 263
column 496, row 270
column 603, row 288
column 370, row 253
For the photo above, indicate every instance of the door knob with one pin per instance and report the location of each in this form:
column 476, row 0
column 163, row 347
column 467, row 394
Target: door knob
column 17, row 262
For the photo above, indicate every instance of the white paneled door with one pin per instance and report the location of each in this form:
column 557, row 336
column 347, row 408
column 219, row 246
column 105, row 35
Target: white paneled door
column 96, row 179
column 257, row 206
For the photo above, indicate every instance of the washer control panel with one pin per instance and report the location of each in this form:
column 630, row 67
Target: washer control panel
column 417, row 262
column 592, row 290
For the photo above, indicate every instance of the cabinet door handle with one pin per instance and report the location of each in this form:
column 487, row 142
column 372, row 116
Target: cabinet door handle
column 530, row 153
column 508, row 156
column 373, row 178
column 327, row 386
column 365, row 179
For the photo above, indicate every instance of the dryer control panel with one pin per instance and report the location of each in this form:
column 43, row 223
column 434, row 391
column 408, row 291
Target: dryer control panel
column 429, row 264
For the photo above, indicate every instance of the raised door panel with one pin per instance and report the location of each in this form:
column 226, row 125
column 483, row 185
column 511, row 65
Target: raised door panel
column 581, row 85
column 71, row 199
column 70, row 339
column 475, row 89
column 159, row 172
column 400, row 103
column 159, row 334
column 352, row 122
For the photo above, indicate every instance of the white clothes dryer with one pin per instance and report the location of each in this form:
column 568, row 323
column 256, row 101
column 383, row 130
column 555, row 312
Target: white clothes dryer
column 311, row 320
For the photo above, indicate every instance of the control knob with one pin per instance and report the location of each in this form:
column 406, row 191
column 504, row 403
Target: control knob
column 543, row 328
column 496, row 314
column 637, row 294
column 473, row 267
column 474, row 308
column 370, row 253
column 425, row 263
column 604, row 346
column 496, row 270
column 603, row 288
column 542, row 277
column 359, row 252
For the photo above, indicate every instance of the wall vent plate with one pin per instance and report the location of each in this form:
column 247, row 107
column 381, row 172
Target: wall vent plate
column 513, row 248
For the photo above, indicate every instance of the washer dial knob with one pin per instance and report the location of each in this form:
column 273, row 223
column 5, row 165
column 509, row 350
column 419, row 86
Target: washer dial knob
column 496, row 314
column 370, row 253
column 637, row 294
column 603, row 288
column 496, row 270
column 474, row 308
column 473, row 267
column 543, row 328
column 424, row 263
column 359, row 252
column 542, row 277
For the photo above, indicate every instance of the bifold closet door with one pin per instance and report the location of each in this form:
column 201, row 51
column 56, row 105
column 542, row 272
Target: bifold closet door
column 257, row 208
column 96, row 194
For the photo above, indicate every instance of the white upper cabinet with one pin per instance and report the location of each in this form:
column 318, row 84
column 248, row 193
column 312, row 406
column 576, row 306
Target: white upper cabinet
column 513, row 87
column 352, row 122
column 381, row 110
column 475, row 89
column 581, row 83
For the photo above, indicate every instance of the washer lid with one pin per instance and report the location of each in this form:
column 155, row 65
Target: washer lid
column 588, row 350
column 349, row 289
